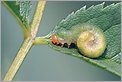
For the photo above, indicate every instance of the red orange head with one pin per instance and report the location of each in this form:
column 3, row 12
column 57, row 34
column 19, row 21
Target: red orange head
column 55, row 39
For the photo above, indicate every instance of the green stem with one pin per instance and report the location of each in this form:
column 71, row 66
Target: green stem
column 18, row 59
column 37, row 18
column 27, row 42
column 41, row 40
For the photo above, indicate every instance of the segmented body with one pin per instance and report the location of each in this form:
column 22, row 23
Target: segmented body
column 86, row 37
column 71, row 35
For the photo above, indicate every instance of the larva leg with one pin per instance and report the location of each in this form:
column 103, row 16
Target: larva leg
column 62, row 45
column 68, row 44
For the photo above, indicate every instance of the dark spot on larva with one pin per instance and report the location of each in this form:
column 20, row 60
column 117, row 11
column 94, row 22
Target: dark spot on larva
column 72, row 45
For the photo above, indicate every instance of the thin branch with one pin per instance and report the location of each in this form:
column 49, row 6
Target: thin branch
column 18, row 59
column 41, row 40
column 26, row 44
column 37, row 17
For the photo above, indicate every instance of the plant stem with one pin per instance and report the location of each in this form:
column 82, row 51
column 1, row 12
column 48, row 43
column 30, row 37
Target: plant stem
column 37, row 17
column 28, row 42
column 18, row 59
column 41, row 40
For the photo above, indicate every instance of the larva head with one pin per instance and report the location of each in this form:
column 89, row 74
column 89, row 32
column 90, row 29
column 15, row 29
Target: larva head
column 54, row 39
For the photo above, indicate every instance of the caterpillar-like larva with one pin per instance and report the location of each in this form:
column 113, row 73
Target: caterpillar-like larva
column 89, row 39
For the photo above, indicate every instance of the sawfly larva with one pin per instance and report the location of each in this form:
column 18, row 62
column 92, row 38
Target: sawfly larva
column 89, row 39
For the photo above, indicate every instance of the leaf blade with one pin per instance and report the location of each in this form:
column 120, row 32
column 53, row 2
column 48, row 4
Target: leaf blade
column 108, row 19
column 13, row 13
column 14, row 8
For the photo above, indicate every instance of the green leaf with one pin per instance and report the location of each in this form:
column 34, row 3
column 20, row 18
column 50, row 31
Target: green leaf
column 108, row 19
column 21, row 10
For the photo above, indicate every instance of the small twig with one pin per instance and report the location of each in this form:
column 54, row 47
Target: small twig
column 41, row 40
column 27, row 42
column 18, row 59
column 37, row 18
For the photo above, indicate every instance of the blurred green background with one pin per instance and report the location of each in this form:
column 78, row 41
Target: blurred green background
column 43, row 63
